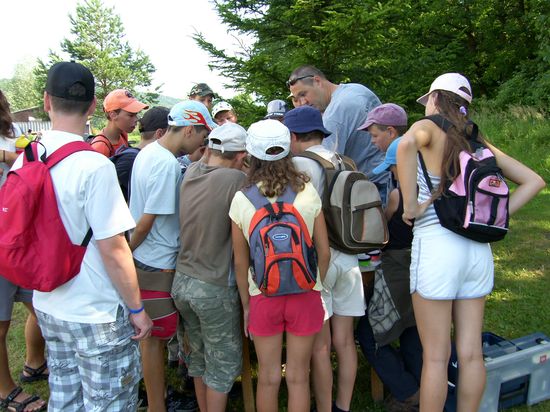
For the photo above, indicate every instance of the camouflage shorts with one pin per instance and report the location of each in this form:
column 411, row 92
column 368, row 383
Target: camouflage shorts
column 212, row 321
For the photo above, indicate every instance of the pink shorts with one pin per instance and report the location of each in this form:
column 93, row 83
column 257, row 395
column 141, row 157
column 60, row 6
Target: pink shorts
column 301, row 314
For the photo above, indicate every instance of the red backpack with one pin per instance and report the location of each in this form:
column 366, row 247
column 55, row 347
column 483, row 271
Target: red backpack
column 35, row 249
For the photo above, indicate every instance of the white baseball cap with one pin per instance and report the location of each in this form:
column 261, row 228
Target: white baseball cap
column 451, row 82
column 230, row 137
column 221, row 107
column 265, row 135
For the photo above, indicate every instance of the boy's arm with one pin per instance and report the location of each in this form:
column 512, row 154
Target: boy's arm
column 393, row 204
column 241, row 261
column 143, row 227
column 320, row 240
column 119, row 264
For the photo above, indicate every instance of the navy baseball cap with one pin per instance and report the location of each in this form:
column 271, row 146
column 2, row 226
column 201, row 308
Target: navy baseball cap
column 305, row 119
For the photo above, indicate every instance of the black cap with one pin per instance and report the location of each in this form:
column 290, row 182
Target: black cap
column 71, row 81
column 155, row 118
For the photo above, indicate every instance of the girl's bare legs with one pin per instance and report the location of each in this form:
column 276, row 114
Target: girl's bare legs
column 268, row 350
column 321, row 370
column 433, row 320
column 298, row 358
column 468, row 322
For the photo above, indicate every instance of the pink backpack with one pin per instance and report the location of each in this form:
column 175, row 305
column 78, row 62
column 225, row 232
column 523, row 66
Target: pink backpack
column 35, row 249
column 475, row 203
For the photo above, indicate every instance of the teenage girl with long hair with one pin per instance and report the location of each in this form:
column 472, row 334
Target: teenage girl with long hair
column 267, row 318
column 8, row 133
column 450, row 274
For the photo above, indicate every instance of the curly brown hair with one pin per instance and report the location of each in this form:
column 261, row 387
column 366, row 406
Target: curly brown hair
column 6, row 121
column 448, row 105
column 275, row 176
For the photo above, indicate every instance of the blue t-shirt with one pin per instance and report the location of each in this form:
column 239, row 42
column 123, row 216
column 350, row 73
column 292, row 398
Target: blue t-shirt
column 155, row 181
column 348, row 110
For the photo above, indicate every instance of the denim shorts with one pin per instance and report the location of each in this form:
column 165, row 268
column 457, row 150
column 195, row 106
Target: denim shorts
column 10, row 293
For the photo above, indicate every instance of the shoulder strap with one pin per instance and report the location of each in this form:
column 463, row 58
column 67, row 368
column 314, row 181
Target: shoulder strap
column 345, row 163
column 66, row 150
column 259, row 201
column 287, row 196
column 319, row 159
column 105, row 140
column 440, row 121
column 253, row 194
column 425, row 171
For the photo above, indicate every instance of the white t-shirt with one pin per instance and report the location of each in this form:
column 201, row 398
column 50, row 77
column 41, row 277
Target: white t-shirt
column 154, row 189
column 88, row 195
column 315, row 171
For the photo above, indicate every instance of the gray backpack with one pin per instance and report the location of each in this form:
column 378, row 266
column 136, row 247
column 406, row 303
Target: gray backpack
column 352, row 207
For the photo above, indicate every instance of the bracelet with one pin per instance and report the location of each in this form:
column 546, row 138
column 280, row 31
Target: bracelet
column 136, row 311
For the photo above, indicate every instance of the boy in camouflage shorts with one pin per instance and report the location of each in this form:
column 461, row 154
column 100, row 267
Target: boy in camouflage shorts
column 204, row 288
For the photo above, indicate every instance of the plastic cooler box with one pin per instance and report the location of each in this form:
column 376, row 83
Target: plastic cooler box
column 518, row 372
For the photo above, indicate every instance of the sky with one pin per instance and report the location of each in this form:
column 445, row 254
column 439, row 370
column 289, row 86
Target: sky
column 161, row 28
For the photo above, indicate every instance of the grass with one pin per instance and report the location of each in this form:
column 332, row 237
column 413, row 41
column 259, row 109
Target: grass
column 519, row 303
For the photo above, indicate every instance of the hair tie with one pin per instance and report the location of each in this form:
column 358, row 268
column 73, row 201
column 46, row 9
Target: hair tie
column 463, row 110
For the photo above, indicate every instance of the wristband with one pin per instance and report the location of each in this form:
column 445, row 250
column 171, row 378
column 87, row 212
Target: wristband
column 136, row 311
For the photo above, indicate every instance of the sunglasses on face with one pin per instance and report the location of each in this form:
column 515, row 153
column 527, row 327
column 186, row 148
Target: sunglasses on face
column 292, row 82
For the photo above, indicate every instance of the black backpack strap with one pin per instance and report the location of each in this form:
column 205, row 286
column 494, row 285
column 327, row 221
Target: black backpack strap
column 425, row 171
column 440, row 121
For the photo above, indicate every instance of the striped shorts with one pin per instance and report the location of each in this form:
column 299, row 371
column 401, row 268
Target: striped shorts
column 93, row 367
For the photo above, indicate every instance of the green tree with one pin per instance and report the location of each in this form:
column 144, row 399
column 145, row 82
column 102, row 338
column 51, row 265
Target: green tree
column 98, row 42
column 248, row 111
column 395, row 47
column 20, row 90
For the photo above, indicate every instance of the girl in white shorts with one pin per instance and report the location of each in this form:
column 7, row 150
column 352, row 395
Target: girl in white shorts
column 450, row 274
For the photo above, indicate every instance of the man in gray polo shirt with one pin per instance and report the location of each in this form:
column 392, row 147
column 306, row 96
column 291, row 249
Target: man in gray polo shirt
column 345, row 108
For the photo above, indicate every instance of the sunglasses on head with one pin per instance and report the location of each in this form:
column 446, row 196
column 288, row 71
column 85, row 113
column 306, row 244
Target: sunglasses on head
column 292, row 82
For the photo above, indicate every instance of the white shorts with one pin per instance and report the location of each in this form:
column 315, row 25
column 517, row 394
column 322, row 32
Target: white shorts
column 343, row 286
column 446, row 266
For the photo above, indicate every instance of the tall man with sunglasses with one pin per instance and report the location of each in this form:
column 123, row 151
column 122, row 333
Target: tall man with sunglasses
column 345, row 108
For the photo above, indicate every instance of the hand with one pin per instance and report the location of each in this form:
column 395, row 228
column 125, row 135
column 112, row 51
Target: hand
column 142, row 324
column 410, row 215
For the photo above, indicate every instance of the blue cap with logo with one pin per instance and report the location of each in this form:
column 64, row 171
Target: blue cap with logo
column 190, row 113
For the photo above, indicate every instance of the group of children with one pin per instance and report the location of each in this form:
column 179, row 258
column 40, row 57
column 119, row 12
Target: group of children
column 191, row 250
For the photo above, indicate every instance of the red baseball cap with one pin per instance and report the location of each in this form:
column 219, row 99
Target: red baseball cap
column 122, row 99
